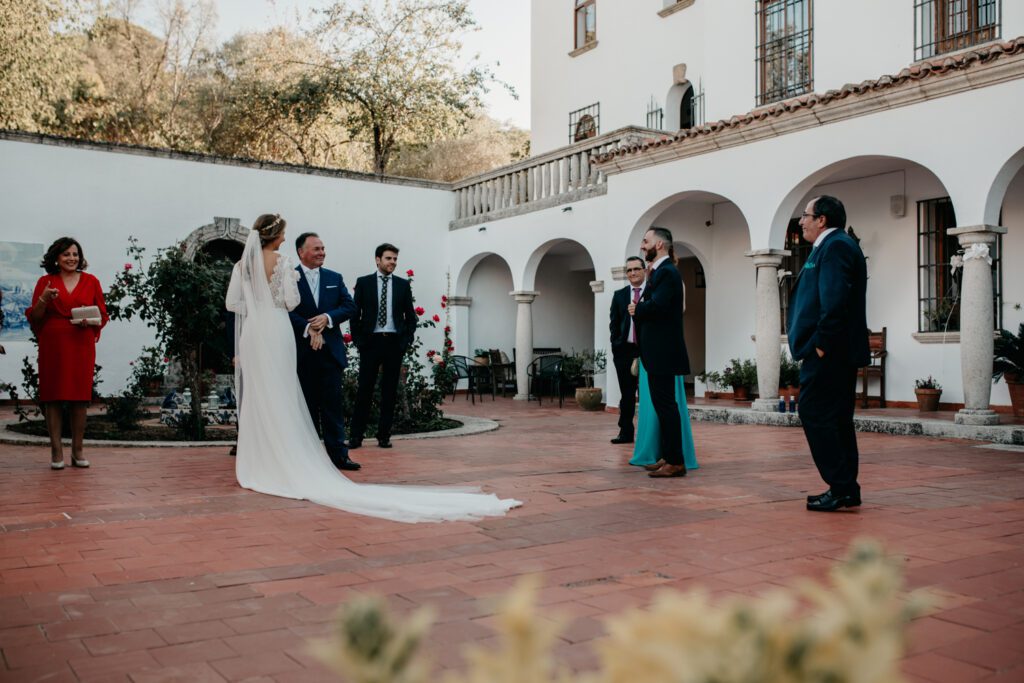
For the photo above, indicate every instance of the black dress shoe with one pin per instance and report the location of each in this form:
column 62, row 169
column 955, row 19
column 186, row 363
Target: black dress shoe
column 349, row 465
column 622, row 439
column 854, row 496
column 830, row 502
column 355, row 443
column 384, row 442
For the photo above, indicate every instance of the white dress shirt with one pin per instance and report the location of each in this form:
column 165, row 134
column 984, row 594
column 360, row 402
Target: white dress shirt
column 389, row 324
column 313, row 280
column 632, row 323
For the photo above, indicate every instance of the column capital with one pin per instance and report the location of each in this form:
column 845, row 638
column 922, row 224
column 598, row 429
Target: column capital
column 767, row 257
column 619, row 272
column 523, row 297
column 977, row 234
column 597, row 286
column 460, row 301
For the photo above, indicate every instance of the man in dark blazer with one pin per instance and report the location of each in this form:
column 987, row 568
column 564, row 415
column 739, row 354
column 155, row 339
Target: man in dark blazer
column 828, row 331
column 320, row 349
column 383, row 327
column 659, row 320
column 624, row 344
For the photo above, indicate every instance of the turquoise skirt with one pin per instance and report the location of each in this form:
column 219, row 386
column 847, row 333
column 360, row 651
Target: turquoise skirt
column 646, row 449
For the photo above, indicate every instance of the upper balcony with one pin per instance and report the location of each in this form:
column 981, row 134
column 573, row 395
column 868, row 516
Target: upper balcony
column 557, row 177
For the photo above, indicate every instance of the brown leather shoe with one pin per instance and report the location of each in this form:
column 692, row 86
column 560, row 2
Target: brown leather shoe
column 655, row 466
column 667, row 470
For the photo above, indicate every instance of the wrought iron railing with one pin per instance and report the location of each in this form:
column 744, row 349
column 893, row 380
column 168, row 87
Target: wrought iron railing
column 585, row 123
column 942, row 26
column 559, row 176
column 655, row 115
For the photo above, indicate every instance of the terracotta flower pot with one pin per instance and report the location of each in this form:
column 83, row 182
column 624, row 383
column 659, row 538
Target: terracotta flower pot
column 928, row 399
column 1015, row 383
column 741, row 393
column 589, row 398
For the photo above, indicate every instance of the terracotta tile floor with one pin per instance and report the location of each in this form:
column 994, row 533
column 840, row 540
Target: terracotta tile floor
column 154, row 565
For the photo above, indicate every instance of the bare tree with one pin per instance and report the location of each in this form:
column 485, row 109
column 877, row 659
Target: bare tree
column 395, row 63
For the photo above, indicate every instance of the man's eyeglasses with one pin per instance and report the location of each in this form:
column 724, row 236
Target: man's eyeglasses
column 633, row 270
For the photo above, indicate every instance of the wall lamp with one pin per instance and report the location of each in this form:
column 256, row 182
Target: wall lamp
column 482, row 228
column 567, row 209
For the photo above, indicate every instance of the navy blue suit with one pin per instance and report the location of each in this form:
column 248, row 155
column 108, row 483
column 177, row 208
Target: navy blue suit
column 827, row 311
column 320, row 372
column 659, row 329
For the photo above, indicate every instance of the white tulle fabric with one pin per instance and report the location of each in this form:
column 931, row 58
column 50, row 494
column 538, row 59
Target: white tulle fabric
column 279, row 452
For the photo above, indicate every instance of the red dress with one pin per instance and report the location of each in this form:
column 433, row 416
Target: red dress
column 67, row 353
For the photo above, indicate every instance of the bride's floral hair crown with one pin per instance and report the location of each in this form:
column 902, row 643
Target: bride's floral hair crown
column 269, row 226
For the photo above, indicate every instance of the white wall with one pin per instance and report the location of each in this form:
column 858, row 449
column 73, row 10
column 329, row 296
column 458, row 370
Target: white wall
column 102, row 197
column 492, row 316
column 716, row 39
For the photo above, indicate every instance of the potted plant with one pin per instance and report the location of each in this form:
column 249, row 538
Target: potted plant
column 741, row 376
column 581, row 368
column 789, row 376
column 712, row 384
column 928, row 391
column 1008, row 364
column 482, row 356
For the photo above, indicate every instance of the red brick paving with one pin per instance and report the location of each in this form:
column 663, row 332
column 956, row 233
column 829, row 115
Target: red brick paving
column 154, row 566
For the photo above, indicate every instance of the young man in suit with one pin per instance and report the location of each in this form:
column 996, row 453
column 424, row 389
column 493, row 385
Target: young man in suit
column 383, row 327
column 828, row 331
column 659, row 320
column 323, row 305
column 624, row 345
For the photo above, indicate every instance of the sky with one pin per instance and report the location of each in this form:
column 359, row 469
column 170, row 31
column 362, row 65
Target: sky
column 503, row 42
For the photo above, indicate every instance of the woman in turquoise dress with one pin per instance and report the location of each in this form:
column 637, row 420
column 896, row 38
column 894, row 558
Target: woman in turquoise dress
column 648, row 434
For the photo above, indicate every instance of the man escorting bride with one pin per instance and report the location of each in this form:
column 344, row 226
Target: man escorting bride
column 279, row 451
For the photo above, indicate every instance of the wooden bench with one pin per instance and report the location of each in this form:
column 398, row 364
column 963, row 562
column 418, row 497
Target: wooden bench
column 876, row 367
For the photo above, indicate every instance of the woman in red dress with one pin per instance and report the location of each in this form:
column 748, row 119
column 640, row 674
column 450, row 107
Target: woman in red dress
column 67, row 348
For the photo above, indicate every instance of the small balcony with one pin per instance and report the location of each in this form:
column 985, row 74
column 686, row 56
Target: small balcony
column 558, row 177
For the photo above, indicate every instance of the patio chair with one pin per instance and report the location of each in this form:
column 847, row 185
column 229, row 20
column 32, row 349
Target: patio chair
column 476, row 375
column 503, row 372
column 545, row 372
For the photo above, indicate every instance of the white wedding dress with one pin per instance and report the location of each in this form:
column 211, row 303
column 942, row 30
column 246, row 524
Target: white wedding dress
column 279, row 452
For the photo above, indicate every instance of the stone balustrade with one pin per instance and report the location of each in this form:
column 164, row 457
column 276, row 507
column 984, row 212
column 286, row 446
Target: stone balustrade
column 558, row 177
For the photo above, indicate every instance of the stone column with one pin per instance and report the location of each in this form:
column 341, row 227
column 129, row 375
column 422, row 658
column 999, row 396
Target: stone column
column 524, row 341
column 769, row 322
column 976, row 323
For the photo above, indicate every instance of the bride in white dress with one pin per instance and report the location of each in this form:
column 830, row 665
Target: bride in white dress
column 279, row 452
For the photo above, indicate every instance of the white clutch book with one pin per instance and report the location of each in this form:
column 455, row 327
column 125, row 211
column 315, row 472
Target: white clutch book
column 85, row 314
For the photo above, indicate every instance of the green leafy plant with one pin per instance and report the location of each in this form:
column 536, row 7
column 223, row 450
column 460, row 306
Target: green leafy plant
column 183, row 300
column 148, row 369
column 125, row 409
column 580, row 367
column 928, row 382
column 1008, row 354
column 789, row 371
column 712, row 380
column 740, row 373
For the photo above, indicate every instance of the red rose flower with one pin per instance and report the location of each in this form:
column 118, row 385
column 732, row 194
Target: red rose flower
column 127, row 266
column 444, row 299
column 409, row 272
column 437, row 318
column 420, row 310
column 447, row 329
column 444, row 305
column 431, row 353
column 347, row 337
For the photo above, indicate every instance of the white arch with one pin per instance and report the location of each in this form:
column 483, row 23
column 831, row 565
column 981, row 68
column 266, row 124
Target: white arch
column 1000, row 184
column 647, row 218
column 467, row 268
column 673, row 102
column 529, row 279
column 790, row 203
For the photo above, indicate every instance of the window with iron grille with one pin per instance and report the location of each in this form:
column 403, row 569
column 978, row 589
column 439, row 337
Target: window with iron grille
column 585, row 20
column 585, row 123
column 938, row 281
column 948, row 25
column 784, row 49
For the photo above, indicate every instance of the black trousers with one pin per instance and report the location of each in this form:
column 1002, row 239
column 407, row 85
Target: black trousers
column 623, row 357
column 662, row 389
column 382, row 355
column 827, row 398
column 320, row 376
